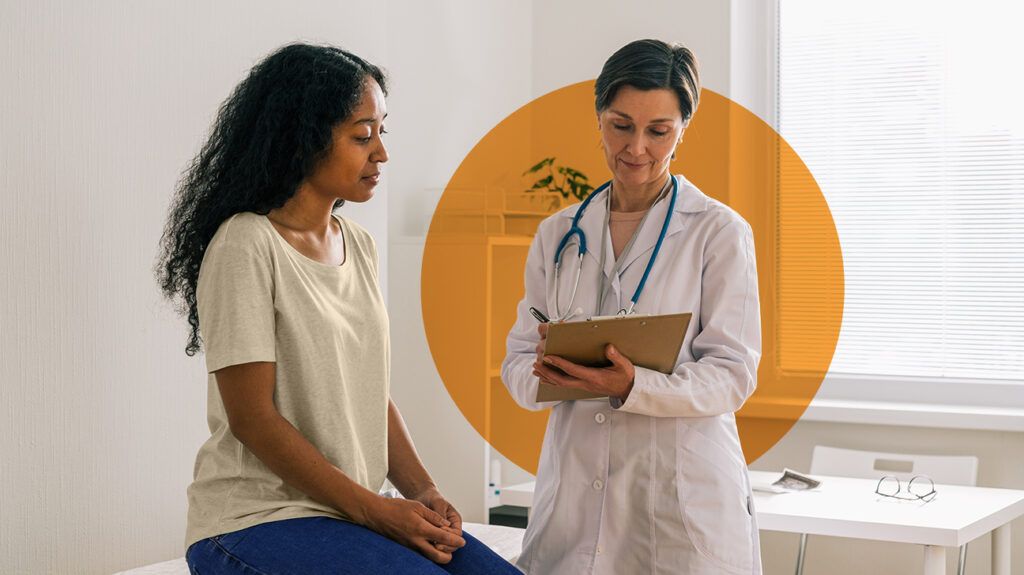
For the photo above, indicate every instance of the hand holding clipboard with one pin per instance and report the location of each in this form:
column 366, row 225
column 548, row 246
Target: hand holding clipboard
column 648, row 341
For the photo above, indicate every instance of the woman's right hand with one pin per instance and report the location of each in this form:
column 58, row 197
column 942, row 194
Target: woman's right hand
column 542, row 329
column 416, row 526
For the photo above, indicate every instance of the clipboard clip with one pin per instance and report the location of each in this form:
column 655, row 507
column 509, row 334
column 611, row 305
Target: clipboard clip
column 619, row 315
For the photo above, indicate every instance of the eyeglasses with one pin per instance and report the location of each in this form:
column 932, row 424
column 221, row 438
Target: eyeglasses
column 919, row 488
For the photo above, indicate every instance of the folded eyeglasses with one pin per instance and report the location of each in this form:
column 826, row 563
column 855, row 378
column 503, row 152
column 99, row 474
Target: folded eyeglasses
column 919, row 488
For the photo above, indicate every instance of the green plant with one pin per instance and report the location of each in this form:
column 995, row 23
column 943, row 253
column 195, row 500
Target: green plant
column 573, row 183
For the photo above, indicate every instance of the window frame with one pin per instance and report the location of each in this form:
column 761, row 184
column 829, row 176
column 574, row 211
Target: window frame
column 883, row 400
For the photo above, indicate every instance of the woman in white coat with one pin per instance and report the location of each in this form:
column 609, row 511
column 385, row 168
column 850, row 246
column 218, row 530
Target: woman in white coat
column 651, row 480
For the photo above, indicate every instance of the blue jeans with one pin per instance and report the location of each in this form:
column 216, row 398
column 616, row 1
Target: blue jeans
column 321, row 545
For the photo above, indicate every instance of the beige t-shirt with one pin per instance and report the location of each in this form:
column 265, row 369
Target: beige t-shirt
column 327, row 330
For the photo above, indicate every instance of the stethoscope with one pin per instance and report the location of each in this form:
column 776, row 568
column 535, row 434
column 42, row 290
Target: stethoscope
column 577, row 232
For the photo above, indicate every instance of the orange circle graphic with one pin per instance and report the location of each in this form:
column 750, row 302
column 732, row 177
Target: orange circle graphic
column 479, row 236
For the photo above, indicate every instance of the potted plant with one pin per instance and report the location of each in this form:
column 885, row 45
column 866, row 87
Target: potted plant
column 572, row 183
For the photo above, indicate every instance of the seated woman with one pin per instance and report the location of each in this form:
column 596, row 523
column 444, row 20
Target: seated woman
column 285, row 294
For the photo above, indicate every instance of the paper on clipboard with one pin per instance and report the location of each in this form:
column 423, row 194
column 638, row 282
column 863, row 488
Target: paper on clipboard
column 651, row 341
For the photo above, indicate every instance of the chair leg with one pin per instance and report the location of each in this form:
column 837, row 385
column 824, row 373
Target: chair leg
column 800, row 555
column 962, row 563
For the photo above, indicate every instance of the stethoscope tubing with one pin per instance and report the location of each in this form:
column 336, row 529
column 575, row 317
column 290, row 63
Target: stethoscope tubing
column 576, row 231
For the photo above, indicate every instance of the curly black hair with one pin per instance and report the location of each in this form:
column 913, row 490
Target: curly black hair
column 269, row 136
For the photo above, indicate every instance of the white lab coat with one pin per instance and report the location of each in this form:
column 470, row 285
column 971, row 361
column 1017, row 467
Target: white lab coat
column 658, row 484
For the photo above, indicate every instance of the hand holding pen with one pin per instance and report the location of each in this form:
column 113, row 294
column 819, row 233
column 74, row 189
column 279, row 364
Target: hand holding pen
column 542, row 329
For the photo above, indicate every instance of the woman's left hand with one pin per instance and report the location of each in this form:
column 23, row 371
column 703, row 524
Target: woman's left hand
column 433, row 499
column 615, row 380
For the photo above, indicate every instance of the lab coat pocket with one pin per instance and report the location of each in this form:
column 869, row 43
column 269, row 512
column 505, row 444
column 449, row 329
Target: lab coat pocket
column 711, row 486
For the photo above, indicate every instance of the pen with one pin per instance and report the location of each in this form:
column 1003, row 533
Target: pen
column 540, row 316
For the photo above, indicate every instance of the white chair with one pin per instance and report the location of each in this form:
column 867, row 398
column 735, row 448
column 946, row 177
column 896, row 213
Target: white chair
column 948, row 469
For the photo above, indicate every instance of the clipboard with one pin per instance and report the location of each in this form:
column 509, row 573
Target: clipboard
column 651, row 341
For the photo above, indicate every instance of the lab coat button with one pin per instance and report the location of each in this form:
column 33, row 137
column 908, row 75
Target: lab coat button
column 599, row 418
column 598, row 484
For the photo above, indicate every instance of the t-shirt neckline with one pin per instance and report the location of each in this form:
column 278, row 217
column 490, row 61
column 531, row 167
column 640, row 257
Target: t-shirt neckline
column 345, row 237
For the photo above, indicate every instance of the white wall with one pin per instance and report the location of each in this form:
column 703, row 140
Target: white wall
column 459, row 67
column 103, row 105
column 573, row 38
column 101, row 413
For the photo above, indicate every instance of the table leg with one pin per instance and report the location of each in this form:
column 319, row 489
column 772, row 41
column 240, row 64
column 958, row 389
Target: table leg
column 934, row 560
column 1001, row 550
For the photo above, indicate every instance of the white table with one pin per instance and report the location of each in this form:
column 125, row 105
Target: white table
column 845, row 507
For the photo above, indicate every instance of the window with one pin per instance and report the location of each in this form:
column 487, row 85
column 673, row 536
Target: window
column 909, row 116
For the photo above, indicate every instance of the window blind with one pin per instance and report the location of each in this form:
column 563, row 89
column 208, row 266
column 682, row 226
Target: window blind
column 909, row 115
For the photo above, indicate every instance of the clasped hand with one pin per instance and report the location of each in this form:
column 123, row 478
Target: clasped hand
column 615, row 380
column 427, row 523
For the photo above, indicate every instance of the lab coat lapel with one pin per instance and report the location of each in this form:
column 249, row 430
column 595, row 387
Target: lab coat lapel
column 648, row 235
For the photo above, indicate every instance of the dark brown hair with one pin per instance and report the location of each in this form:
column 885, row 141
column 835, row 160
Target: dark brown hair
column 649, row 65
